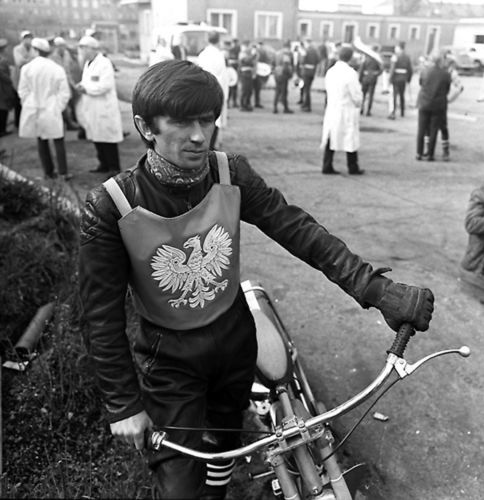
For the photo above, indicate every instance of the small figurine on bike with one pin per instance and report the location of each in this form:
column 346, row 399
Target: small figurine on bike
column 168, row 229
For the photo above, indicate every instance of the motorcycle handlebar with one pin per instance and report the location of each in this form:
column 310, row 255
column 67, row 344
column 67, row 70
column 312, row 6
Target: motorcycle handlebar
column 395, row 355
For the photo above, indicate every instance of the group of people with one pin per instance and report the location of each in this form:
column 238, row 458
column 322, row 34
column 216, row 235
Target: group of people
column 50, row 90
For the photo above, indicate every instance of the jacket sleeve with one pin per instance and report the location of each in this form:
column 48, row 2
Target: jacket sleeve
column 63, row 91
column 474, row 221
column 103, row 278
column 300, row 234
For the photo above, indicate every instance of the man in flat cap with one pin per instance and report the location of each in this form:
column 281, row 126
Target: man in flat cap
column 44, row 92
column 8, row 95
column 22, row 54
column 98, row 107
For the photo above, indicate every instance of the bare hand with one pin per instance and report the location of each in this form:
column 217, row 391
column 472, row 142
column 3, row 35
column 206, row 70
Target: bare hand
column 133, row 429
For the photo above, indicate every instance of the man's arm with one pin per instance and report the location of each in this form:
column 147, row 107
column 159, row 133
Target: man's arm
column 103, row 278
column 300, row 234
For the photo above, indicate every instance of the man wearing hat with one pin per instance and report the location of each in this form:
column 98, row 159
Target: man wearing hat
column 44, row 92
column 8, row 96
column 22, row 54
column 98, row 107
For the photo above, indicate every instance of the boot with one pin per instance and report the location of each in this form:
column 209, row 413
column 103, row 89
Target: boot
column 445, row 151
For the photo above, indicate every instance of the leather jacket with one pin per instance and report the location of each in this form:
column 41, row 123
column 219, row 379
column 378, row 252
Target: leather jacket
column 105, row 268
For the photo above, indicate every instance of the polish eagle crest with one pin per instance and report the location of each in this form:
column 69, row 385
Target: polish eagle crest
column 195, row 275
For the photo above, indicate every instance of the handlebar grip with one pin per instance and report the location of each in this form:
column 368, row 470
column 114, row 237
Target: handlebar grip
column 401, row 340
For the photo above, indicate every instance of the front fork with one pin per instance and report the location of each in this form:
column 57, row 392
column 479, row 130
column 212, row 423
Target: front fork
column 310, row 477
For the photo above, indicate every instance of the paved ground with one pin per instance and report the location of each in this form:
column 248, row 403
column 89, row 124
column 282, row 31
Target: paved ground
column 402, row 213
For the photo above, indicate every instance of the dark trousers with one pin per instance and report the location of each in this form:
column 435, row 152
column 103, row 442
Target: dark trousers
column 281, row 92
column 368, row 89
column 246, row 85
column 306, row 91
column 17, row 110
column 351, row 160
column 108, row 156
column 399, row 94
column 46, row 157
column 233, row 96
column 257, row 86
column 3, row 121
column 197, row 378
column 429, row 123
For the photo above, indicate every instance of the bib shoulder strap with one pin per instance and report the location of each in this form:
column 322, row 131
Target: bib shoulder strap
column 223, row 167
column 117, row 195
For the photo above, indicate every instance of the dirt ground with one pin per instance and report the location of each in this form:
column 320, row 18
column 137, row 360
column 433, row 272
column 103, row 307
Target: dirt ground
column 404, row 214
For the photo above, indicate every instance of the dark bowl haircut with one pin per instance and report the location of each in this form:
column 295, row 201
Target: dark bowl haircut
column 175, row 89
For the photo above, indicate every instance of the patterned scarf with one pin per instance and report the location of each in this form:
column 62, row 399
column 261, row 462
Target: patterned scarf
column 169, row 174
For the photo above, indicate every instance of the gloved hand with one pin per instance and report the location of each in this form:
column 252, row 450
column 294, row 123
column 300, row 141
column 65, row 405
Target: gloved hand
column 400, row 303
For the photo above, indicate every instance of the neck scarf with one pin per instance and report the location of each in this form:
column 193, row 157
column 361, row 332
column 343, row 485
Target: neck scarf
column 171, row 175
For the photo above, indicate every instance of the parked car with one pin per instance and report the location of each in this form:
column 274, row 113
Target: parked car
column 465, row 63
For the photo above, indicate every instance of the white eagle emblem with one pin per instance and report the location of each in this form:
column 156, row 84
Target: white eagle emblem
column 195, row 277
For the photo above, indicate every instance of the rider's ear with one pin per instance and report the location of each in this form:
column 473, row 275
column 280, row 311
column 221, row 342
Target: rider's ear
column 143, row 128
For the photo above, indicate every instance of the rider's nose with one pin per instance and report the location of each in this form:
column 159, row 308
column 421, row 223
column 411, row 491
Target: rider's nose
column 196, row 134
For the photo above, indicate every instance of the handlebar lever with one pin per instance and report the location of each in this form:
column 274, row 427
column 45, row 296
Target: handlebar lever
column 404, row 368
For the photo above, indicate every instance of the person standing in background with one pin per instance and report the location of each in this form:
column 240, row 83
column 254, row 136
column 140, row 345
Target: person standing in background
column 369, row 72
column 44, row 92
column 8, row 96
column 283, row 71
column 309, row 63
column 435, row 83
column 247, row 68
column 98, row 107
column 341, row 127
column 212, row 59
column 22, row 54
column 400, row 74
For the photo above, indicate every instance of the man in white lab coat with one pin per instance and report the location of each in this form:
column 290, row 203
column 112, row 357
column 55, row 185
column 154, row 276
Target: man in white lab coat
column 341, row 130
column 44, row 92
column 98, row 108
column 212, row 59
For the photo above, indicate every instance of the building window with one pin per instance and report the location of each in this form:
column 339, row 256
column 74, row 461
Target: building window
column 268, row 25
column 414, row 32
column 349, row 32
column 225, row 18
column 373, row 31
column 326, row 30
column 304, row 29
column 394, row 32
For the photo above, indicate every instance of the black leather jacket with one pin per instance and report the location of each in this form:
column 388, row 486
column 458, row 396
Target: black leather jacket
column 104, row 262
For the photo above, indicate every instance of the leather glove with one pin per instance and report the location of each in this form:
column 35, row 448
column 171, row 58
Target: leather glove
column 400, row 303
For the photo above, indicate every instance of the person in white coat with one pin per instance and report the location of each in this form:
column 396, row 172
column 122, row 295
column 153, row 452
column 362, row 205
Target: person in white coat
column 341, row 130
column 212, row 59
column 44, row 92
column 98, row 107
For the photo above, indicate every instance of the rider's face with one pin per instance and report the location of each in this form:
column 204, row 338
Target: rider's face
column 184, row 142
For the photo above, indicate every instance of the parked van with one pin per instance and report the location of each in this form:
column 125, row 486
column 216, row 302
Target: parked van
column 192, row 37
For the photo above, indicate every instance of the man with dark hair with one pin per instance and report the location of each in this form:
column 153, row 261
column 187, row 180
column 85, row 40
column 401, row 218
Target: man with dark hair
column 283, row 71
column 309, row 63
column 435, row 84
column 369, row 72
column 169, row 229
column 341, row 125
column 44, row 91
column 400, row 74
